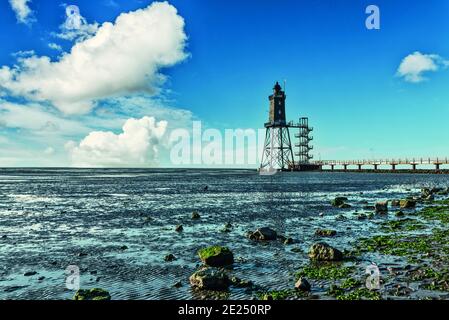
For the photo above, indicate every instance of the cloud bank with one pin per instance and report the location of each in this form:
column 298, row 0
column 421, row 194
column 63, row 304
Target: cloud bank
column 136, row 146
column 22, row 10
column 122, row 58
column 414, row 66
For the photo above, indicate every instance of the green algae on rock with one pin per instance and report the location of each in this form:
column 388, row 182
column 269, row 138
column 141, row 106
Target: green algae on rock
column 216, row 256
column 325, row 232
column 338, row 201
column 325, row 271
column 96, row 294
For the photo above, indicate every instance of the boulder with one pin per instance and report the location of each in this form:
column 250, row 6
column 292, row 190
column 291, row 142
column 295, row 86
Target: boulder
column 381, row 207
column 216, row 256
column 325, row 233
column 408, row 204
column 239, row 283
column 263, row 234
column 399, row 214
column 345, row 206
column 425, row 192
column 338, row 201
column 169, row 258
column 210, row 279
column 30, row 273
column 303, row 285
column 395, row 203
column 179, row 228
column 195, row 215
column 92, row 294
column 323, row 252
column 288, row 241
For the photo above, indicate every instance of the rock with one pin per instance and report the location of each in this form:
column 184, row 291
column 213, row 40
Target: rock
column 123, row 248
column 210, row 279
column 288, row 241
column 92, row 294
column 30, row 273
column 425, row 192
column 216, row 256
column 179, row 228
column 263, row 234
column 399, row 214
column 169, row 258
column 178, row 284
column 325, row 233
column 303, row 285
column 323, row 252
column 362, row 216
column 381, row 207
column 82, row 254
column 195, row 215
column 239, row 283
column 395, row 203
column 41, row 278
column 4, row 236
column 408, row 204
column 228, row 225
column 344, row 206
column 338, row 201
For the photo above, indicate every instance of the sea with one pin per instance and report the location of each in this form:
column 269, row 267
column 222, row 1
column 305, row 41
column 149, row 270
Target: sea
column 115, row 226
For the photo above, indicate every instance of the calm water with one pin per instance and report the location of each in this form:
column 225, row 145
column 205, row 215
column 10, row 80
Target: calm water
column 49, row 217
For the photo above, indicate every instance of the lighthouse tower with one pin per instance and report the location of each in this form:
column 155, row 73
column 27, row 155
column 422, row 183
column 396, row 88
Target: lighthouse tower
column 278, row 151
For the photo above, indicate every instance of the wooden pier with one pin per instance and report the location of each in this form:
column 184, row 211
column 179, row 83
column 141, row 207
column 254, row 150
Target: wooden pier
column 359, row 164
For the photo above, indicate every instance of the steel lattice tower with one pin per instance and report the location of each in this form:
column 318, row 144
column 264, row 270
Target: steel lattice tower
column 303, row 144
column 278, row 151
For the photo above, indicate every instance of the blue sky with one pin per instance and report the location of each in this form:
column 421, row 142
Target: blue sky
column 341, row 75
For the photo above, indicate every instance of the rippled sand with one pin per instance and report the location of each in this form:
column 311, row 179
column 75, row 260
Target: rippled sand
column 50, row 219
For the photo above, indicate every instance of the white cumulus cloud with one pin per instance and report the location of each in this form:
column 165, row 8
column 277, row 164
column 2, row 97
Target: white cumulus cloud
column 136, row 146
column 122, row 58
column 22, row 10
column 413, row 67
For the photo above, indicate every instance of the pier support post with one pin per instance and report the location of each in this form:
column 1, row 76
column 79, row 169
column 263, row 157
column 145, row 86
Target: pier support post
column 360, row 167
column 437, row 167
column 414, row 166
column 393, row 167
column 332, row 167
column 345, row 166
column 375, row 167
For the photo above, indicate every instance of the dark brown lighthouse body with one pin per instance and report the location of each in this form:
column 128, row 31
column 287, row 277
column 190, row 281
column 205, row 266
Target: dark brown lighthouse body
column 277, row 106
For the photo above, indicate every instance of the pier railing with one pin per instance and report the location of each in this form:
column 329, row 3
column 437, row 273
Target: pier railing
column 437, row 162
